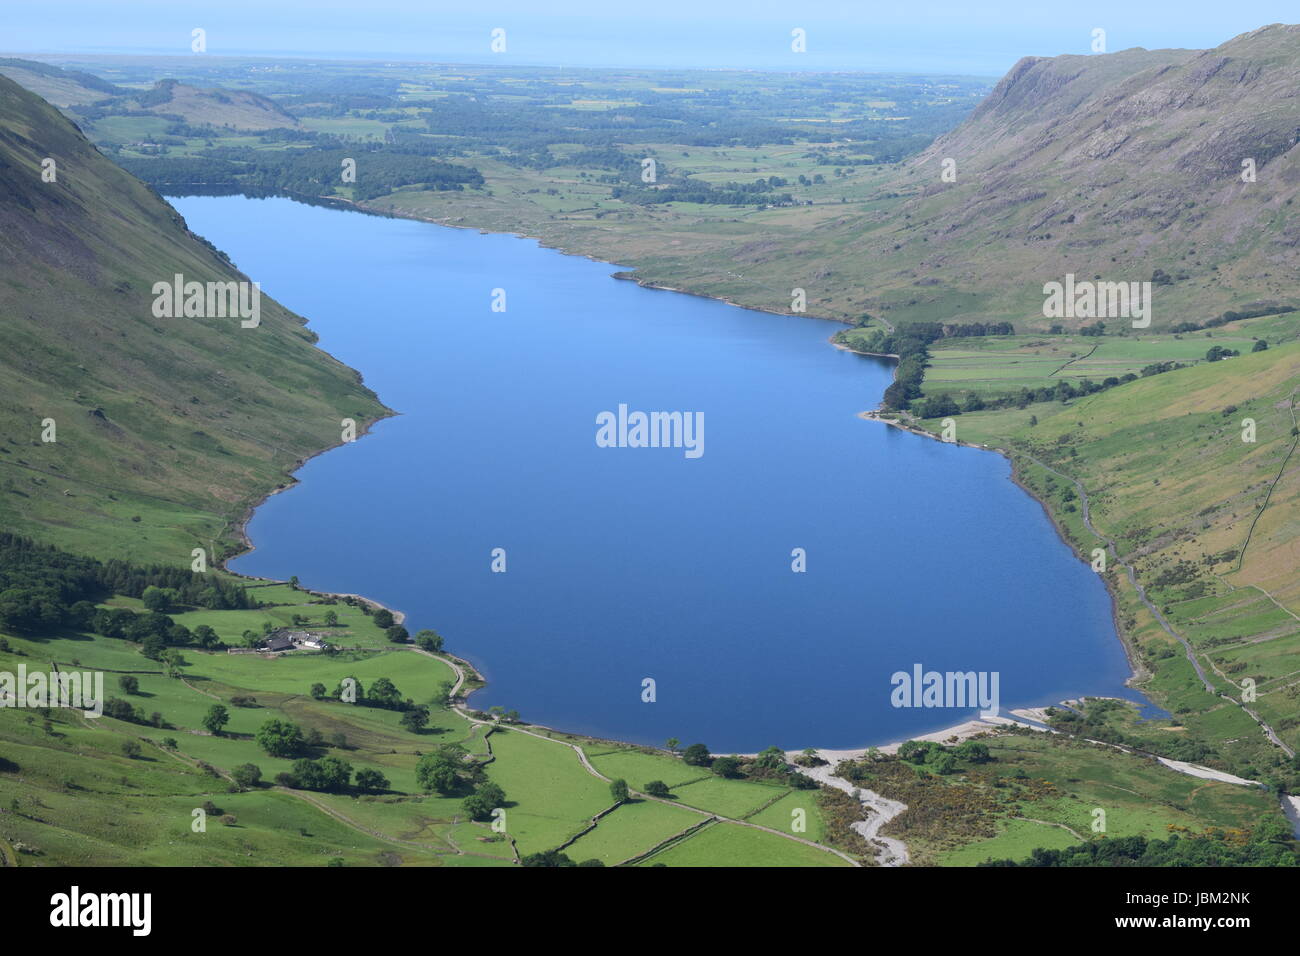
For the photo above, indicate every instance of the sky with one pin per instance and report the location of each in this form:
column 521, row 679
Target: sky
column 981, row 37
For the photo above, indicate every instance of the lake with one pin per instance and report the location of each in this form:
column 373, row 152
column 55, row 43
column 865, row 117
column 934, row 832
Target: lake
column 631, row 563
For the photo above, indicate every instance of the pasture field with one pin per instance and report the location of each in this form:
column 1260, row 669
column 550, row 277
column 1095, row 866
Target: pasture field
column 1192, row 473
column 70, row 793
column 730, row 844
column 632, row 829
column 1049, row 790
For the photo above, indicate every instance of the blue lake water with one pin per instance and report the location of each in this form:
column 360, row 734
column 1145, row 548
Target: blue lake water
column 632, row 563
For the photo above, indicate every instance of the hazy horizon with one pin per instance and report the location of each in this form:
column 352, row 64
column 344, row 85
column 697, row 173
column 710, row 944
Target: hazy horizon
column 942, row 37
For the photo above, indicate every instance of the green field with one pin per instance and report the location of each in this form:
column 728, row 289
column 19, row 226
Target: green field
column 1205, row 518
column 71, row 794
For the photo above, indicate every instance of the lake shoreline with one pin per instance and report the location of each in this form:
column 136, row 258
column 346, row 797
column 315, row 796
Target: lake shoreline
column 240, row 525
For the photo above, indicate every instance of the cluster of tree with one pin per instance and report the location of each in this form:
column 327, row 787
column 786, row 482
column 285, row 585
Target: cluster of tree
column 555, row 858
column 326, row 774
column 1232, row 316
column 940, row 759
column 1270, row 844
column 1217, row 352
column 959, row 330
column 944, row 405
column 382, row 694
column 770, row 764
column 120, row 709
column 911, row 344
column 760, row 192
column 315, row 171
column 43, row 588
column 184, row 586
column 154, row 631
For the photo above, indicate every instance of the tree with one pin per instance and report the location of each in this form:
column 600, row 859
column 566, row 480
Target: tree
column 697, row 755
column 973, row 750
column 206, row 637
column 941, row 762
column 158, row 599
column 726, row 766
column 1260, row 346
column 442, row 697
column 476, row 808
column 618, row 790
column 371, row 780
column 384, row 694
column 328, row 774
column 129, row 684
column 672, row 744
column 481, row 803
column 318, row 691
column 657, row 788
column 331, row 619
column 428, row 640
column 247, row 775
column 416, row 719
column 438, row 771
column 383, row 618
column 152, row 646
column 398, row 634
column 130, row 749
column 216, row 718
column 280, row 738
column 549, row 858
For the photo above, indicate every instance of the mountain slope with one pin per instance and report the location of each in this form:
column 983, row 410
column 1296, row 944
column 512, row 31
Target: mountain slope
column 1110, row 166
column 167, row 429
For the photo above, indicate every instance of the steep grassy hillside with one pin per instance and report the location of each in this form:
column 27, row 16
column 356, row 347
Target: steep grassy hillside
column 167, row 429
column 1112, row 166
column 1209, row 524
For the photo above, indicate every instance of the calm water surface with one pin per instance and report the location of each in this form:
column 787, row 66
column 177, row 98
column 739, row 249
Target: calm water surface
column 634, row 563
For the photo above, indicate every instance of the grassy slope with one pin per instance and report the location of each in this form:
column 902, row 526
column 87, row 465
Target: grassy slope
column 1170, row 479
column 181, row 423
column 1042, row 790
column 68, row 795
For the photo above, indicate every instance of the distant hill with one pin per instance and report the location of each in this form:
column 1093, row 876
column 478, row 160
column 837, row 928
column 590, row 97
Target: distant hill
column 1123, row 166
column 229, row 109
column 1114, row 166
column 167, row 428
column 57, row 85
